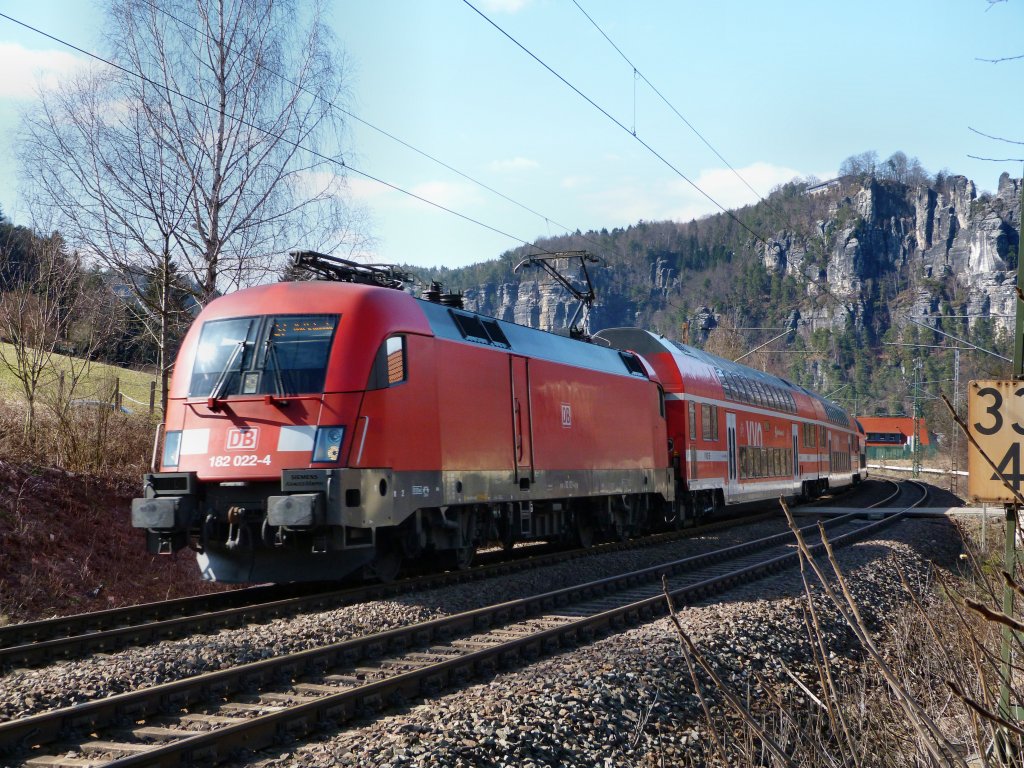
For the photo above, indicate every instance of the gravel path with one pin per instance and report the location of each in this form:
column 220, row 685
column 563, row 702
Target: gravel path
column 628, row 699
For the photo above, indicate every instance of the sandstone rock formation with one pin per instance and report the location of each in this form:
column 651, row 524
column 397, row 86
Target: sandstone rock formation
column 870, row 231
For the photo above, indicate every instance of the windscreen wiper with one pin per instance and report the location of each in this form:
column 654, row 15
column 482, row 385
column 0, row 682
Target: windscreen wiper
column 271, row 352
column 222, row 380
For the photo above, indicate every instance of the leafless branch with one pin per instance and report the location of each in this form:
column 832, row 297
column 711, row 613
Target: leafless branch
column 998, row 159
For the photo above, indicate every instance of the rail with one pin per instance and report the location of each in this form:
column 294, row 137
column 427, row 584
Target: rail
column 473, row 643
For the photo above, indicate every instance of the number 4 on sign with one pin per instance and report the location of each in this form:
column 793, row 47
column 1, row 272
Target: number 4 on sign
column 1011, row 460
column 995, row 412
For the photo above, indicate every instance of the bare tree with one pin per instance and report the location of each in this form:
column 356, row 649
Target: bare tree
column 905, row 170
column 41, row 315
column 863, row 164
column 726, row 342
column 212, row 151
column 896, row 167
column 113, row 187
column 80, row 395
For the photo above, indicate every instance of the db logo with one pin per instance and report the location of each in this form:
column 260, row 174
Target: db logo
column 566, row 415
column 242, row 439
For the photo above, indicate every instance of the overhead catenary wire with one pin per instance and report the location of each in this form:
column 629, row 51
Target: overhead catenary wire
column 617, row 122
column 757, row 236
column 957, row 339
column 548, row 220
column 341, row 163
column 279, row 137
column 638, row 74
column 348, row 113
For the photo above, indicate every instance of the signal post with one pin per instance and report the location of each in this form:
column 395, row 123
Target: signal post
column 996, row 424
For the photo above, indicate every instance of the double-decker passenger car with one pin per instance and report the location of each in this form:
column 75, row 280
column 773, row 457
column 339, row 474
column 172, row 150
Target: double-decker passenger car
column 740, row 435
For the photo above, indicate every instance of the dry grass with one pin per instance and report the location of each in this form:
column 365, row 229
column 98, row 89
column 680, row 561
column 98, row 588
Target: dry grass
column 97, row 384
column 89, row 438
column 926, row 693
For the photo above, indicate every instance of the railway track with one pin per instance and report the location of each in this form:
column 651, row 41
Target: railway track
column 209, row 717
column 42, row 642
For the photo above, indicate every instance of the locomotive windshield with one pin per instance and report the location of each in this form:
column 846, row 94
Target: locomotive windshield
column 272, row 355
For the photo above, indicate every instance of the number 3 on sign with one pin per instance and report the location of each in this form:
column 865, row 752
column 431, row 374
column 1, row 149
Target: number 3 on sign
column 996, row 418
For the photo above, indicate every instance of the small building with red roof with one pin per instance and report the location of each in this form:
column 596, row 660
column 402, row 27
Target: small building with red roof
column 892, row 437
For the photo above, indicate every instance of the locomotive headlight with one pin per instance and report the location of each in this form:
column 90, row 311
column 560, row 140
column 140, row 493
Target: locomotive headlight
column 172, row 447
column 327, row 446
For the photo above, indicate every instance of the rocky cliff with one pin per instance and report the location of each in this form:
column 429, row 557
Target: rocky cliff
column 848, row 247
column 877, row 230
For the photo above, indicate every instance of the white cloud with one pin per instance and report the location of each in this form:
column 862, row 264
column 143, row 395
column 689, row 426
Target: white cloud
column 574, row 182
column 504, row 6
column 515, row 165
column 366, row 190
column 729, row 189
column 676, row 199
column 24, row 69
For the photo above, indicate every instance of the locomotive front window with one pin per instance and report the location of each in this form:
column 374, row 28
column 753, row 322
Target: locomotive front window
column 295, row 362
column 283, row 355
column 225, row 349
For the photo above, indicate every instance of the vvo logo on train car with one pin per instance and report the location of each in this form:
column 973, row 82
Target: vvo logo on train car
column 243, row 439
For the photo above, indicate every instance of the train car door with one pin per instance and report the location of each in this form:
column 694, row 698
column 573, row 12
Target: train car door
column 522, row 420
column 730, row 433
column 796, row 451
column 819, row 449
column 828, row 455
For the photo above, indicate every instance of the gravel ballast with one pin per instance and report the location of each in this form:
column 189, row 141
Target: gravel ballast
column 26, row 691
column 628, row 699
column 625, row 699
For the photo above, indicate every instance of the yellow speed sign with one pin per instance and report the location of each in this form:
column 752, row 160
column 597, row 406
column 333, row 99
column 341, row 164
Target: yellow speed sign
column 995, row 417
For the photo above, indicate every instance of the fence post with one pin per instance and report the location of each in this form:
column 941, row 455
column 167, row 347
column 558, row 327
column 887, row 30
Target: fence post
column 117, row 393
column 152, row 397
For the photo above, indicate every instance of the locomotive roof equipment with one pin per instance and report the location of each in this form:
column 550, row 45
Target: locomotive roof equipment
column 324, row 267
column 585, row 298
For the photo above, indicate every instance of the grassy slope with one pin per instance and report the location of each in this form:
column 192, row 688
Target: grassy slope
column 98, row 383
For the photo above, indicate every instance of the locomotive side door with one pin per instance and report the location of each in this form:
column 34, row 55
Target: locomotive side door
column 522, row 420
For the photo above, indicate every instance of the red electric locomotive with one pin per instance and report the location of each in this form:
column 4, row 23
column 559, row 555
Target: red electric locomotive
column 320, row 429
column 317, row 430
column 740, row 435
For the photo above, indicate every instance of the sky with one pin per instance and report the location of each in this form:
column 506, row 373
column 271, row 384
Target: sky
column 780, row 89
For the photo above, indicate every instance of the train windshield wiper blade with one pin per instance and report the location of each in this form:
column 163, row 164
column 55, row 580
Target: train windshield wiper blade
column 222, row 380
column 271, row 352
